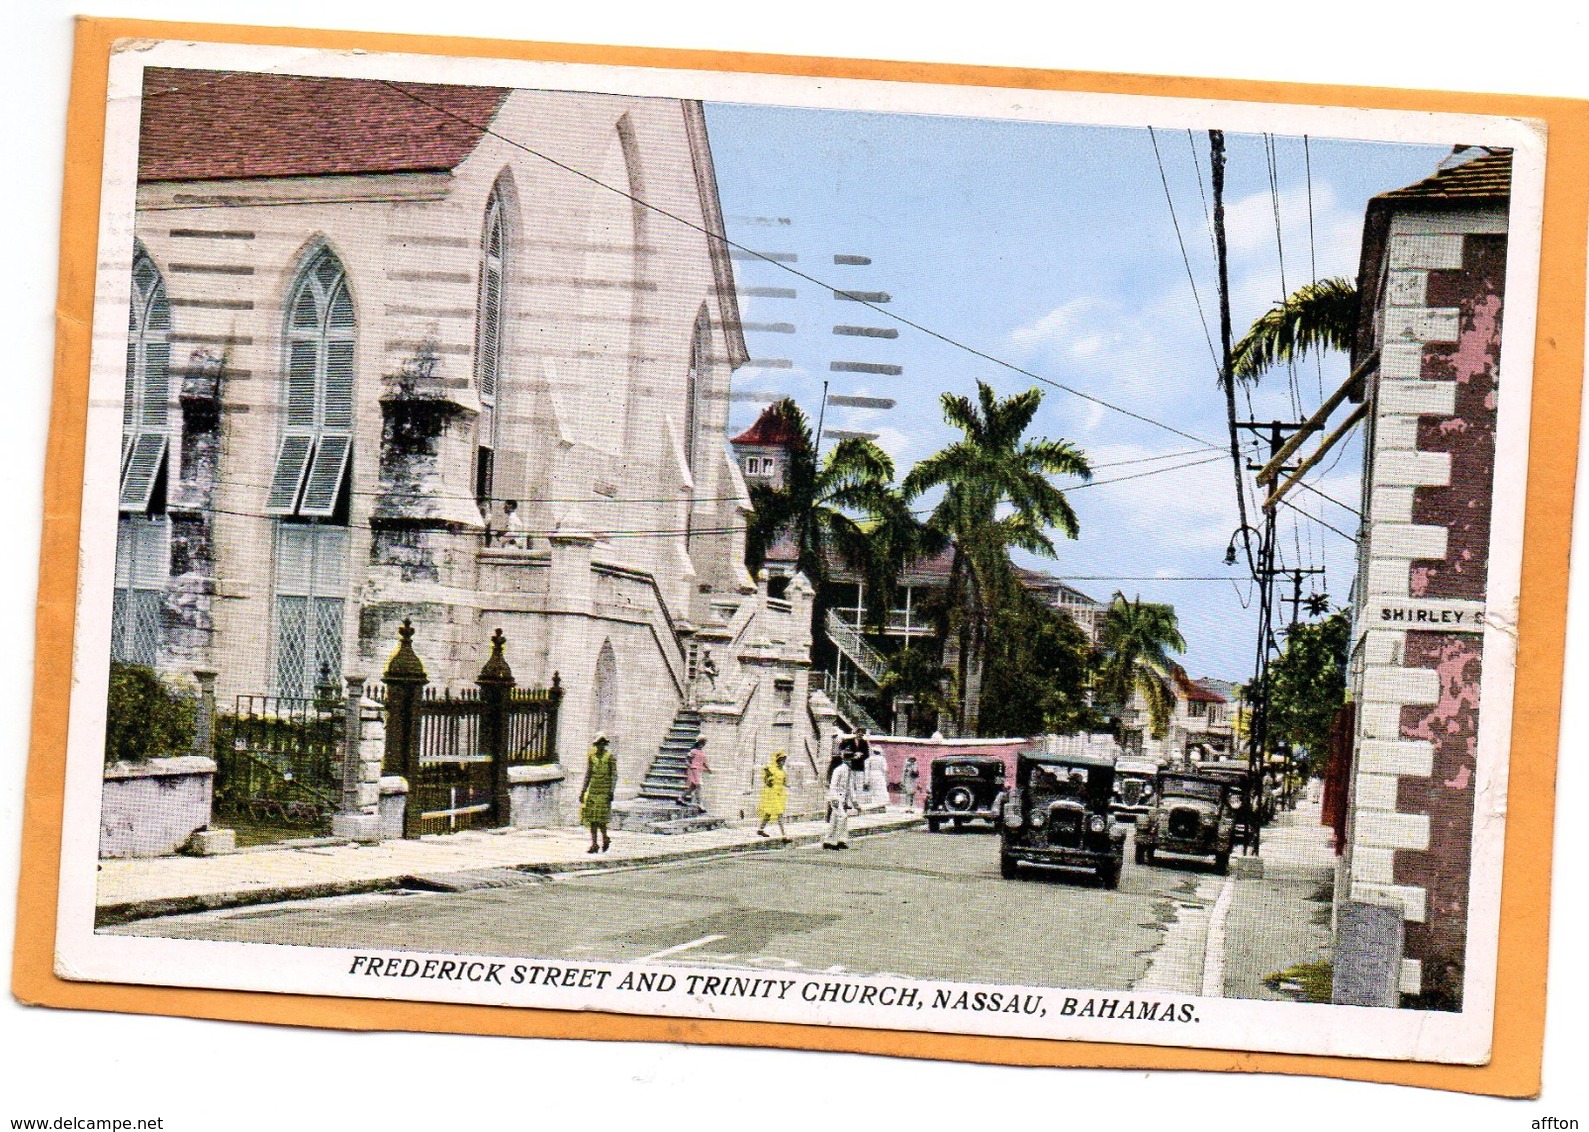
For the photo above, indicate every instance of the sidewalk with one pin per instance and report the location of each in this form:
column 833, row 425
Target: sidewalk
column 136, row 889
column 1283, row 917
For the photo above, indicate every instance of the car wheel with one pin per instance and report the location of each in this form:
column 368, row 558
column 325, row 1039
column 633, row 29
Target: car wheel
column 960, row 823
column 932, row 825
column 1008, row 867
column 1109, row 876
column 1142, row 854
column 1222, row 863
column 1147, row 855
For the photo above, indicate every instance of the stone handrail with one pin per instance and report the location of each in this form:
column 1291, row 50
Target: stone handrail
column 666, row 632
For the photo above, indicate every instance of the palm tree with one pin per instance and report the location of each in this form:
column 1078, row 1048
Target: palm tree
column 997, row 496
column 1136, row 640
column 1317, row 316
column 817, row 503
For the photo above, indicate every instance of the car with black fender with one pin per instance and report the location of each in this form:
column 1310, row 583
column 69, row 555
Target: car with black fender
column 1243, row 795
column 1191, row 817
column 961, row 788
column 1057, row 814
column 1133, row 788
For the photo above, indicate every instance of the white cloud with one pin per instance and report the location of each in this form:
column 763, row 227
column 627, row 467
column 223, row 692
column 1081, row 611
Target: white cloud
column 1059, row 326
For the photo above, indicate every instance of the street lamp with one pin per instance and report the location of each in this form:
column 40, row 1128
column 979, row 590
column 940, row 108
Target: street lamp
column 1245, row 533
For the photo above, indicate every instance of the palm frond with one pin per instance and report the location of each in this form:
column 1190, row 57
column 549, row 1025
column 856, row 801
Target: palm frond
column 1318, row 316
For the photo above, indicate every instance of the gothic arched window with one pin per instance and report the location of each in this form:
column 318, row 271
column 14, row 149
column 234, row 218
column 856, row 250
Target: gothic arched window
column 312, row 460
column 143, row 537
column 309, row 485
column 146, row 408
column 488, row 344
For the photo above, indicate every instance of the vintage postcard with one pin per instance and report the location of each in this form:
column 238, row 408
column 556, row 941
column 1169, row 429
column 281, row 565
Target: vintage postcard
column 708, row 544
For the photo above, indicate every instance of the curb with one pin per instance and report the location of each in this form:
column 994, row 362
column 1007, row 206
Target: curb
column 1214, row 942
column 554, row 868
column 112, row 915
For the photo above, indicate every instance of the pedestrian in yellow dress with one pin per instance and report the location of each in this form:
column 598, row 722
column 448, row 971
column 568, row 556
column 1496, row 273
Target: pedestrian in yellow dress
column 774, row 794
column 595, row 797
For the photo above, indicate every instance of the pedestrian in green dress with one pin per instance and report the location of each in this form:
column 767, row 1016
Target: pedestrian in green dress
column 595, row 796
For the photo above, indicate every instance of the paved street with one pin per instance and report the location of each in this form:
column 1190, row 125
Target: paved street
column 909, row 903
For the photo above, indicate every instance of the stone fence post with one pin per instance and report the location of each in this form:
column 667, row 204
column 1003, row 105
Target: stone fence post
column 204, row 726
column 405, row 679
column 357, row 817
column 494, row 681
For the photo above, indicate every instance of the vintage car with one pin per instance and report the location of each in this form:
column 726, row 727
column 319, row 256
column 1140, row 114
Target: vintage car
column 1191, row 816
column 1133, row 789
column 1058, row 815
column 962, row 787
column 1243, row 796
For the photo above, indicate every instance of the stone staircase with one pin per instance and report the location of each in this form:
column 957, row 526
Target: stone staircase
column 660, row 806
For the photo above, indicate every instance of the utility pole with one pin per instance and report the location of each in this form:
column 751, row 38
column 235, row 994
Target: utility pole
column 1227, row 376
column 1265, row 573
column 1296, row 574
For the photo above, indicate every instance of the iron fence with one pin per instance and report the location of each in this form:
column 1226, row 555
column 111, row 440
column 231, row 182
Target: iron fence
column 278, row 762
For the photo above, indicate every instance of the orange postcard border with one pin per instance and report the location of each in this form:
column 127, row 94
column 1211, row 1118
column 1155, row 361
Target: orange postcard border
column 1514, row 1068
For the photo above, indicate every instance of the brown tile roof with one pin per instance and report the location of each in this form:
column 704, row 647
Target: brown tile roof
column 1189, row 689
column 1486, row 177
column 205, row 125
column 771, row 430
column 1042, row 580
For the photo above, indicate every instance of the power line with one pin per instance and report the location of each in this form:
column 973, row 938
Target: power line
column 1202, row 319
column 874, row 307
column 1144, row 578
column 723, row 239
column 1320, row 522
column 1153, row 472
column 1313, row 258
column 1197, row 170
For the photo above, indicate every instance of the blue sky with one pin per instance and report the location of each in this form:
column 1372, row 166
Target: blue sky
column 1052, row 248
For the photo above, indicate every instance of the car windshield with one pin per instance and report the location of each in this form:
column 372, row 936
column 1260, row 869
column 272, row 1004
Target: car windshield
column 1189, row 787
column 1064, row 780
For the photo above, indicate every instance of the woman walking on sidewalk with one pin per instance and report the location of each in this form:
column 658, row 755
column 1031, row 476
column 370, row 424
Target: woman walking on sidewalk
column 694, row 793
column 774, row 794
column 595, row 797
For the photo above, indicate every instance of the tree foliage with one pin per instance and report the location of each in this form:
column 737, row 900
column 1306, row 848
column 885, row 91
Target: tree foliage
column 1317, row 316
column 820, row 505
column 1135, row 643
column 146, row 718
column 916, row 674
column 1307, row 682
column 997, row 496
column 1037, row 670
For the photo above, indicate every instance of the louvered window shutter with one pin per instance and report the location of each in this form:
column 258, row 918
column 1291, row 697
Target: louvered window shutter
column 326, row 473
column 292, row 463
column 143, row 469
column 129, row 404
column 312, row 461
column 156, row 385
column 490, row 333
column 301, row 385
column 339, row 385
